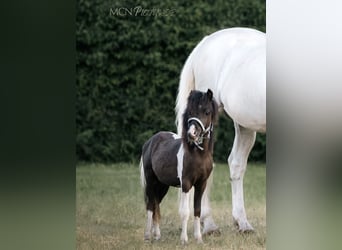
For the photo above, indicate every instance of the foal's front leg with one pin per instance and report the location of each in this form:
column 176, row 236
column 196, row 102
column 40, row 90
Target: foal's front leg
column 184, row 211
column 199, row 189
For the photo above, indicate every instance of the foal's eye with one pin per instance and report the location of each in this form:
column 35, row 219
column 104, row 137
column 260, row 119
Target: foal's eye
column 207, row 112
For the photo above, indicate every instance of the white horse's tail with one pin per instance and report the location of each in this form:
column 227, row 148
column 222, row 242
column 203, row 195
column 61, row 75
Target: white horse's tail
column 142, row 173
column 186, row 84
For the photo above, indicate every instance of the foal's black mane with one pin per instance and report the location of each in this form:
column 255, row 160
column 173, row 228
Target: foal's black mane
column 195, row 99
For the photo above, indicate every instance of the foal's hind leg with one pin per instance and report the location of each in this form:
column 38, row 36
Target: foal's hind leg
column 243, row 143
column 150, row 208
column 160, row 191
column 151, row 203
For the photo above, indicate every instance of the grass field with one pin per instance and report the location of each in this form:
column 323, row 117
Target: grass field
column 110, row 211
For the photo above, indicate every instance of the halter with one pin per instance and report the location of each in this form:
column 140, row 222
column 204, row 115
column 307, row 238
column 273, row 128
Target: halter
column 205, row 131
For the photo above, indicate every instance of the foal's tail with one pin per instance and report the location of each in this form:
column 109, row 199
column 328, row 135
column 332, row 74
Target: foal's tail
column 142, row 173
column 186, row 84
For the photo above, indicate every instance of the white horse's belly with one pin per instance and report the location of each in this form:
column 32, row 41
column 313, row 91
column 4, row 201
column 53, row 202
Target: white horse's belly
column 243, row 92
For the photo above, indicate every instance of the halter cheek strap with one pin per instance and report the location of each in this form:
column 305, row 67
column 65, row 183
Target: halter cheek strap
column 207, row 130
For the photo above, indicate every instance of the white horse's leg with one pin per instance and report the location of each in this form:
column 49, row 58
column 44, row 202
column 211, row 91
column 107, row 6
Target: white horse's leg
column 184, row 212
column 243, row 143
column 209, row 225
column 148, row 229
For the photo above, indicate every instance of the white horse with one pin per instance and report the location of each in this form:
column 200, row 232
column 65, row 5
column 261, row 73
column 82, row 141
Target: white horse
column 232, row 63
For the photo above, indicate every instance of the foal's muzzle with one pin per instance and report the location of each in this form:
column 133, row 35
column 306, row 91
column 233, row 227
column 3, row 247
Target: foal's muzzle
column 196, row 135
column 192, row 132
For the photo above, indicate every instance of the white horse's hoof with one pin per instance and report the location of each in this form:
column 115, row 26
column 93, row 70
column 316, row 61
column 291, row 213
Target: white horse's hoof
column 210, row 228
column 147, row 237
column 244, row 227
column 184, row 240
column 199, row 240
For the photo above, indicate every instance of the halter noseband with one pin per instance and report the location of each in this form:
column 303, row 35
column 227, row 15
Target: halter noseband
column 205, row 131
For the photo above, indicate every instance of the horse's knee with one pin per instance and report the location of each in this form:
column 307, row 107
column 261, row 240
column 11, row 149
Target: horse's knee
column 184, row 211
column 237, row 169
column 197, row 212
column 197, row 202
column 156, row 214
column 184, row 214
column 150, row 206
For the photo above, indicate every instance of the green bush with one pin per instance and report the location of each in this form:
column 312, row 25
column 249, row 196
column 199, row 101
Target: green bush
column 128, row 69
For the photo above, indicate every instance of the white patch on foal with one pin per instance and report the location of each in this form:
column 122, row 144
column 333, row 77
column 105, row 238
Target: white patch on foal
column 180, row 156
column 175, row 136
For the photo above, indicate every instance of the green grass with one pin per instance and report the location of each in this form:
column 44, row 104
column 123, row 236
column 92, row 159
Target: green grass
column 111, row 212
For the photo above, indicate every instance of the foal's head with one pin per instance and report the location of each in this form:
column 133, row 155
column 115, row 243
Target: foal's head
column 199, row 118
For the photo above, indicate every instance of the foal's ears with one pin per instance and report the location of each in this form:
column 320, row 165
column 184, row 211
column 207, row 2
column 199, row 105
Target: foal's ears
column 215, row 106
column 210, row 94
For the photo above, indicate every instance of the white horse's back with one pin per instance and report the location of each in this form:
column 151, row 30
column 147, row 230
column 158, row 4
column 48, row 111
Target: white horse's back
column 231, row 62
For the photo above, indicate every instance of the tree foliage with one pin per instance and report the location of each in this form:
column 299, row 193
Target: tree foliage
column 128, row 68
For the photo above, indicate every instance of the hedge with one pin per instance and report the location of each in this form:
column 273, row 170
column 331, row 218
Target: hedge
column 128, row 67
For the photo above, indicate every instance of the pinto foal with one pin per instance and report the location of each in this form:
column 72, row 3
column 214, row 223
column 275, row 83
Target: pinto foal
column 168, row 160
